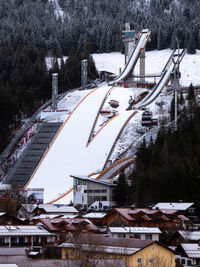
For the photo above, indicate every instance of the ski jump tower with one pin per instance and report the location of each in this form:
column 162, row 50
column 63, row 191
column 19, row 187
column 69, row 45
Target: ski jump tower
column 129, row 38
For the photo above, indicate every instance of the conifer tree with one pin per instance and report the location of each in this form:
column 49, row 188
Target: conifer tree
column 191, row 48
column 121, row 193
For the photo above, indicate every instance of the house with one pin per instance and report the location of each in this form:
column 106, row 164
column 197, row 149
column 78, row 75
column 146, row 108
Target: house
column 144, row 233
column 138, row 217
column 133, row 252
column 27, row 211
column 182, row 236
column 21, row 235
column 34, row 211
column 189, row 254
column 95, row 217
column 7, row 219
column 62, row 227
column 189, row 209
column 88, row 190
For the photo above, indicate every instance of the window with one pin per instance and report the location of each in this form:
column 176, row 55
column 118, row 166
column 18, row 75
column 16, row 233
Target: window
column 121, row 235
column 85, row 191
column 183, row 261
column 148, row 236
column 191, row 210
column 151, row 260
column 137, row 236
column 104, row 191
column 96, row 191
column 14, row 240
column 139, row 260
column 103, row 198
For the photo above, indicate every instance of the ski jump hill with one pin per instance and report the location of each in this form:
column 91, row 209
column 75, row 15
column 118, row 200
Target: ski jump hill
column 75, row 149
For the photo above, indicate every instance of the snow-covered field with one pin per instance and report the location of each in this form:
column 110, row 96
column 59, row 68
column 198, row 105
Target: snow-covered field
column 155, row 62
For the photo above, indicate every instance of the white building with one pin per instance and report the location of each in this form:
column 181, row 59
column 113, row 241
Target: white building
column 88, row 191
column 144, row 233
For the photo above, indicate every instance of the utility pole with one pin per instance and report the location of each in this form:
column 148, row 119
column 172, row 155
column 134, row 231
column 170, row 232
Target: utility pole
column 54, row 90
column 84, row 74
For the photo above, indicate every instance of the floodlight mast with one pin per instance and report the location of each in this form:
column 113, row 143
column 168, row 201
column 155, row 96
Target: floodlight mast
column 176, row 85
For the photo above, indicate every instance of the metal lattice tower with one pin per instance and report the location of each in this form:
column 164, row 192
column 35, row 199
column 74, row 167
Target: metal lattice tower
column 54, row 90
column 84, row 65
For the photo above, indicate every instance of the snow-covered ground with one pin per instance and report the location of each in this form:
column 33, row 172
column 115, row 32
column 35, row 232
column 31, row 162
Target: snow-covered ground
column 155, row 62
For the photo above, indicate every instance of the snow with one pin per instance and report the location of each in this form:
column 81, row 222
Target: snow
column 70, row 153
column 50, row 61
column 155, row 62
column 58, row 11
column 64, row 107
column 173, row 205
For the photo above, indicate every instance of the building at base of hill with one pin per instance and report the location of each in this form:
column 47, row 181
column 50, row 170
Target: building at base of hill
column 132, row 251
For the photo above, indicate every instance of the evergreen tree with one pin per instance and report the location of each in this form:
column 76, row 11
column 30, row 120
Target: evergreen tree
column 121, row 193
column 191, row 95
column 191, row 48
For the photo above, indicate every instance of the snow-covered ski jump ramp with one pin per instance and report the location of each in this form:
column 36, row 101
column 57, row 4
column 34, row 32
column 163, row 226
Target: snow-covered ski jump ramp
column 166, row 74
column 70, row 151
column 141, row 43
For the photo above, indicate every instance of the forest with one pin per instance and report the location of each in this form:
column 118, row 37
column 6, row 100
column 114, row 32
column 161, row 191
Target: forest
column 169, row 168
column 31, row 30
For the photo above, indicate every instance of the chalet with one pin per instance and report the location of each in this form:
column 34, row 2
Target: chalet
column 182, row 236
column 137, row 217
column 144, row 233
column 95, row 217
column 62, row 227
column 21, row 235
column 189, row 254
column 34, row 211
column 133, row 252
column 189, row 209
column 7, row 219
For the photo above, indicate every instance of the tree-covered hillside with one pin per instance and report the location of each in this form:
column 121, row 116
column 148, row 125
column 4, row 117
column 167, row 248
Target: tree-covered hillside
column 169, row 169
column 101, row 22
column 31, row 30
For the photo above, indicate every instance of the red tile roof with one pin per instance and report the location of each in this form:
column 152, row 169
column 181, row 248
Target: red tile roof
column 68, row 224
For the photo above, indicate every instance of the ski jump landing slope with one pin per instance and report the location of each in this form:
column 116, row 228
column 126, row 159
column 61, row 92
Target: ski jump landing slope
column 144, row 35
column 70, row 151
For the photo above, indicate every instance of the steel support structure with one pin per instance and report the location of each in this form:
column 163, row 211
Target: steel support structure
column 54, row 90
column 84, row 65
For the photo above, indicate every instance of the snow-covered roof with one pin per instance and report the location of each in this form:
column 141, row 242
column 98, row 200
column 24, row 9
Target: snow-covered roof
column 86, row 178
column 51, row 208
column 105, row 249
column 2, row 213
column 192, row 250
column 12, row 251
column 138, row 230
column 43, row 216
column 190, row 235
column 173, row 205
column 8, row 265
column 95, row 215
column 23, row 230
